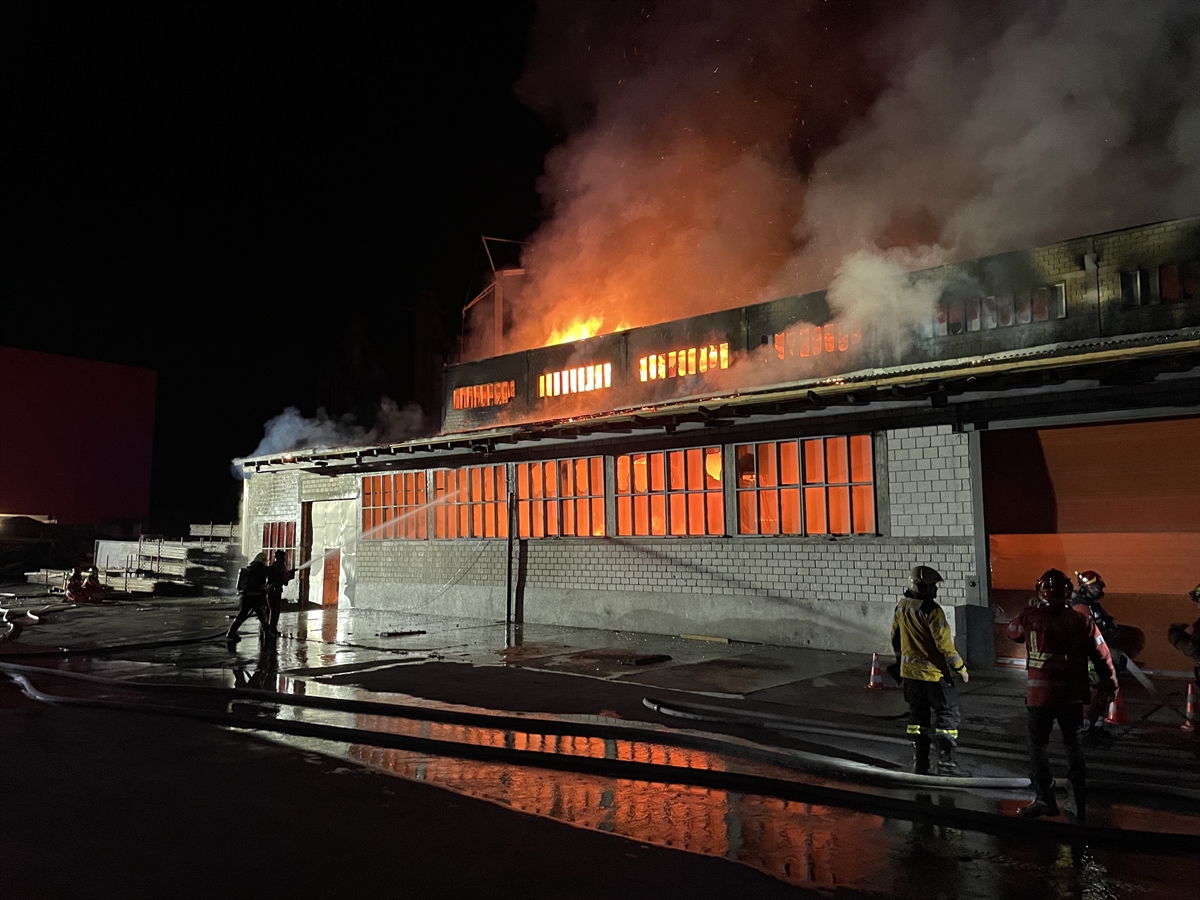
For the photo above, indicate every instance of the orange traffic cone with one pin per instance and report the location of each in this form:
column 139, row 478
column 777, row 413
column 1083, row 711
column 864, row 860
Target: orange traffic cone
column 1191, row 715
column 876, row 682
column 1116, row 711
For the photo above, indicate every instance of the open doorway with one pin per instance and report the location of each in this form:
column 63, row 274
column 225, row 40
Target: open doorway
column 1121, row 499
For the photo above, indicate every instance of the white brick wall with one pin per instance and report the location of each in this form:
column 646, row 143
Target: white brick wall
column 929, row 483
column 761, row 588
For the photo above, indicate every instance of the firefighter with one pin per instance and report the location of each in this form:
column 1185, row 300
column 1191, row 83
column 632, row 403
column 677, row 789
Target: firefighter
column 1086, row 602
column 252, row 586
column 1187, row 642
column 921, row 639
column 1058, row 645
column 93, row 590
column 73, row 587
column 278, row 576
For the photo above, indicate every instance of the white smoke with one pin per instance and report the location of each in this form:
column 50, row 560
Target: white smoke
column 291, row 431
column 720, row 154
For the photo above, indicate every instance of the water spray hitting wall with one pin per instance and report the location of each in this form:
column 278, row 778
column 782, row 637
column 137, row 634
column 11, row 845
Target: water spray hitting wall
column 721, row 154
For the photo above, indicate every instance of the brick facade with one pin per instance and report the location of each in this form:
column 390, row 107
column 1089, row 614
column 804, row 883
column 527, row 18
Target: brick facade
column 826, row 591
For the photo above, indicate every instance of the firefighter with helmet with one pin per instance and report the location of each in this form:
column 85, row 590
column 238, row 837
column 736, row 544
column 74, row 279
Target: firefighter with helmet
column 925, row 650
column 1086, row 602
column 1187, row 641
column 1058, row 646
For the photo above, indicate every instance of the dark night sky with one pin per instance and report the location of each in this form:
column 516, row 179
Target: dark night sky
column 213, row 191
column 247, row 198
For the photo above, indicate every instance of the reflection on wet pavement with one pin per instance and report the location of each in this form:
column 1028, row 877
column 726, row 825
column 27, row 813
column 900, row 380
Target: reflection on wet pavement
column 798, row 843
column 795, row 842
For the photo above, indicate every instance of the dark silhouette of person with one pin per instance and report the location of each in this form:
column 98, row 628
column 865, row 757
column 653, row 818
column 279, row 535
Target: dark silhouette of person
column 278, row 576
column 252, row 586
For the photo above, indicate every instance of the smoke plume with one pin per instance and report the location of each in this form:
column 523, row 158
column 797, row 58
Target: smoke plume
column 720, row 154
column 292, row 431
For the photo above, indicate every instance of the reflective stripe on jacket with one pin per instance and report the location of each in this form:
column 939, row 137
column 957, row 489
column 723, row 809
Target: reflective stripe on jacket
column 1058, row 645
column 921, row 636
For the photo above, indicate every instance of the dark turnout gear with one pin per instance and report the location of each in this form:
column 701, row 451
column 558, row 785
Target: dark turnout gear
column 1086, row 602
column 939, row 700
column 252, row 585
column 1187, row 641
column 278, row 576
column 1070, row 720
column 921, row 639
column 1058, row 645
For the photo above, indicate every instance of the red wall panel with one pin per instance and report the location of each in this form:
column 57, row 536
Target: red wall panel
column 76, row 438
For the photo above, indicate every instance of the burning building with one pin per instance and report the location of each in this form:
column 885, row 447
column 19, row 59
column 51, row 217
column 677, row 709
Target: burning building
column 771, row 472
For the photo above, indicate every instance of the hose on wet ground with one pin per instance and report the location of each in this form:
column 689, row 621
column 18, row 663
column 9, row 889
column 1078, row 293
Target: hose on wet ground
column 724, row 715
column 817, row 763
column 112, row 648
column 856, row 766
column 873, row 804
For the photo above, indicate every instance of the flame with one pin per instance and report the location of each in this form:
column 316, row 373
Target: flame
column 576, row 331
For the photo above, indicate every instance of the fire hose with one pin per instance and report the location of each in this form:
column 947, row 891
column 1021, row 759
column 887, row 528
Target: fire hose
column 877, row 804
column 701, row 712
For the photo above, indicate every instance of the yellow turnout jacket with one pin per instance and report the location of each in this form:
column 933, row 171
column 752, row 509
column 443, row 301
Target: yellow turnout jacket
column 921, row 637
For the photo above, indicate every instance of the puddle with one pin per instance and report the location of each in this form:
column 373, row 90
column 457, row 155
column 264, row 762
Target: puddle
column 802, row 844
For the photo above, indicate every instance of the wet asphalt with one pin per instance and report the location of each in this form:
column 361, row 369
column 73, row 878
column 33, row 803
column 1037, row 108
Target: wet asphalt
column 422, row 694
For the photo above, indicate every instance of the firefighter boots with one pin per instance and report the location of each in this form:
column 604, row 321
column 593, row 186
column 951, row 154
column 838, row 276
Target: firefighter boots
column 920, row 754
column 1076, row 802
column 947, row 765
column 1039, row 807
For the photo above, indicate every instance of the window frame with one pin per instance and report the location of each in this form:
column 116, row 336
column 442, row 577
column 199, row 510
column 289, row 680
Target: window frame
column 289, row 531
column 556, row 513
column 389, row 516
column 478, row 508
column 681, row 494
column 804, row 488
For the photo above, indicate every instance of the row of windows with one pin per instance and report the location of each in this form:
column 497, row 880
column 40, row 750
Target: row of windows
column 280, row 536
column 1176, row 281
column 1001, row 311
column 797, row 487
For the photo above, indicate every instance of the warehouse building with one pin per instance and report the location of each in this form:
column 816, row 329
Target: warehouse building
column 770, row 473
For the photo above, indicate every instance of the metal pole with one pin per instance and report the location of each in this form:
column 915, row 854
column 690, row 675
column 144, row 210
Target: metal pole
column 508, row 593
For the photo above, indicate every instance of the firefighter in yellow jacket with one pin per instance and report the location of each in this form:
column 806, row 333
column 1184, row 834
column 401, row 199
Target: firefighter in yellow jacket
column 921, row 639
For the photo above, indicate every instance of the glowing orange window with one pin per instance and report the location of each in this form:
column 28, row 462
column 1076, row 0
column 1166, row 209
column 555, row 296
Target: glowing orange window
column 470, row 502
column 836, row 494
column 679, row 492
column 280, row 536
column 561, row 497
column 394, row 507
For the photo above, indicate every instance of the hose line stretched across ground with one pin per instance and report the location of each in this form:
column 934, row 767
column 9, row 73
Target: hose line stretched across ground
column 866, row 769
column 875, row 804
column 701, row 712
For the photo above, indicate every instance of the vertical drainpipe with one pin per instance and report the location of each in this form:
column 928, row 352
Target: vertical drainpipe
column 980, row 639
column 245, row 506
column 1091, row 265
column 511, row 477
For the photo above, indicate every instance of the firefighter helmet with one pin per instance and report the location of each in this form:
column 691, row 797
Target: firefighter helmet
column 1091, row 579
column 923, row 581
column 1194, row 593
column 279, row 555
column 1054, row 585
